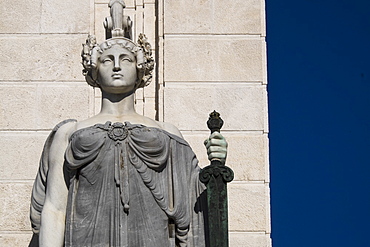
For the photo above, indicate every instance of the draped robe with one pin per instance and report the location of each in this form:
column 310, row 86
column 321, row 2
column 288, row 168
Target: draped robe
column 130, row 185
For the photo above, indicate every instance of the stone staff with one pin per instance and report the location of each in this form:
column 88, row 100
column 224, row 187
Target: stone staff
column 215, row 177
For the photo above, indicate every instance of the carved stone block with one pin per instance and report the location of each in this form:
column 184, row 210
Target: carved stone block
column 250, row 239
column 57, row 18
column 210, row 59
column 18, row 17
column 20, row 153
column 15, row 206
column 14, row 239
column 244, row 104
column 214, row 16
column 68, row 101
column 248, row 200
column 30, row 61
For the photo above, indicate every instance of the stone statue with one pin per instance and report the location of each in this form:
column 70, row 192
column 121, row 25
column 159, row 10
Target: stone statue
column 119, row 178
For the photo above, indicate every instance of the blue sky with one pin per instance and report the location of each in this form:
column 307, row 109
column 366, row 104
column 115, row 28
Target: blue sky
column 319, row 110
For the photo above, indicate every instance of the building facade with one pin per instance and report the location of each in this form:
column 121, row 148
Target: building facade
column 210, row 55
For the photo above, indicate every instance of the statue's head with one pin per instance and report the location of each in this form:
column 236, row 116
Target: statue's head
column 95, row 60
column 118, row 60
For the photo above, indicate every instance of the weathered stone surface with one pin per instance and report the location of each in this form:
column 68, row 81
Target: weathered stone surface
column 161, row 103
column 97, row 92
column 247, row 207
column 139, row 101
column 41, row 105
column 97, row 100
column 245, row 155
column 150, row 90
column 139, row 20
column 213, row 58
column 241, row 106
column 20, row 153
column 139, row 94
column 91, row 102
column 213, row 16
column 45, row 58
column 149, row 22
column 97, row 105
column 40, row 16
column 101, row 11
column 242, row 239
column 149, row 108
column 20, row 16
column 139, row 106
column 15, row 239
column 15, row 206
column 67, row 16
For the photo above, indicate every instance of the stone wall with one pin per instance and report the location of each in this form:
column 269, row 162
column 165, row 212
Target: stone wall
column 210, row 55
column 215, row 59
column 40, row 84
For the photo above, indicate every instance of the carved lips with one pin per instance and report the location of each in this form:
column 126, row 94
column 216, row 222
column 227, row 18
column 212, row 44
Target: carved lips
column 117, row 76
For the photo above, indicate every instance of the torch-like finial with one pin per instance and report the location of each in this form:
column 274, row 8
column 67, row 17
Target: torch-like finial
column 215, row 122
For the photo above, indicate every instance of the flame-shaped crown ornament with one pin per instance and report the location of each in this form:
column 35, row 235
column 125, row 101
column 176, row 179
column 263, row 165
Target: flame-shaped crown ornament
column 118, row 31
column 118, row 24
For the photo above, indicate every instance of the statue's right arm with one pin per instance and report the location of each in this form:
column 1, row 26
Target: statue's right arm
column 54, row 210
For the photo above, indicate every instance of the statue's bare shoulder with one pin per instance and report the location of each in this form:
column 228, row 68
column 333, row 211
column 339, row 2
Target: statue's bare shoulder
column 56, row 181
column 63, row 133
column 67, row 129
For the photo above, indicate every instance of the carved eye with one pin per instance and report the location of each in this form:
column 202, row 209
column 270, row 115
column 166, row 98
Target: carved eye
column 126, row 59
column 107, row 61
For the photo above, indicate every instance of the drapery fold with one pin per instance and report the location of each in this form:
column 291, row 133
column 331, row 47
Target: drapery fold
column 158, row 183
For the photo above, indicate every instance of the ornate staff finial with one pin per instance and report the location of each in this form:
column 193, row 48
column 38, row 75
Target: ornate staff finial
column 215, row 177
column 117, row 25
column 215, row 122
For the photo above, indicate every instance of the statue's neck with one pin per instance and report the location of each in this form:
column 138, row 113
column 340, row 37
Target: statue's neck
column 118, row 104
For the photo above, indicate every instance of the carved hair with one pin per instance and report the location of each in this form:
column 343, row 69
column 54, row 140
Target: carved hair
column 91, row 52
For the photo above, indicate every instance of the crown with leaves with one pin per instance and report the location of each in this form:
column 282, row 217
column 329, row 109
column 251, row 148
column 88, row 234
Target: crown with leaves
column 118, row 31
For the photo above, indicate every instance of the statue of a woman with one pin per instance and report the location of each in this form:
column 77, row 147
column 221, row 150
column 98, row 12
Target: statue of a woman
column 119, row 178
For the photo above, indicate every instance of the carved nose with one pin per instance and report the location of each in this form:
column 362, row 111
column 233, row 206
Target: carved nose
column 116, row 67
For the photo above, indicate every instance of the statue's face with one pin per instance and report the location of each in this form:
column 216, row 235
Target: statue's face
column 117, row 70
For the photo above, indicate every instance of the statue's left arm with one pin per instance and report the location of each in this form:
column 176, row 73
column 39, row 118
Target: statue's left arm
column 54, row 211
column 49, row 195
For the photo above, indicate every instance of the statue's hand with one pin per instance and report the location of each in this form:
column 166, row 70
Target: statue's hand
column 216, row 147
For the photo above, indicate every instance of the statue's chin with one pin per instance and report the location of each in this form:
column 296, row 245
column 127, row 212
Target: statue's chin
column 119, row 90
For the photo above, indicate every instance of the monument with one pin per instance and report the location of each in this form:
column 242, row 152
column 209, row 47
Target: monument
column 119, row 178
column 209, row 55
